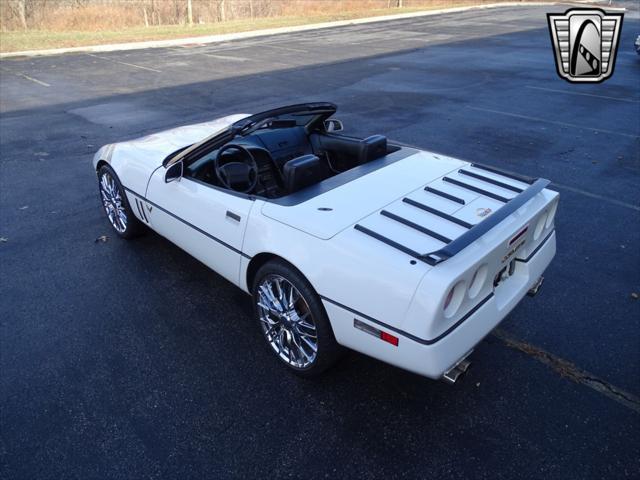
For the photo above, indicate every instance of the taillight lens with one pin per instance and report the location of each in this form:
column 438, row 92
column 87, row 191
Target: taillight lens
column 477, row 281
column 539, row 226
column 447, row 301
column 454, row 298
column 551, row 215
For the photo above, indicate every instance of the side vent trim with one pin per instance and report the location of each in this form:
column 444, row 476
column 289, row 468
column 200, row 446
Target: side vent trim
column 141, row 211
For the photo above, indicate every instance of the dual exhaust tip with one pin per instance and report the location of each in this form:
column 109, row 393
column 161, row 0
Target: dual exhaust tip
column 536, row 287
column 461, row 368
column 456, row 372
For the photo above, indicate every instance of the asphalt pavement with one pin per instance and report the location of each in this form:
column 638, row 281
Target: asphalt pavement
column 132, row 360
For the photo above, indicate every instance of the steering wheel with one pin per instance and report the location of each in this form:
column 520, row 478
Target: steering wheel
column 238, row 176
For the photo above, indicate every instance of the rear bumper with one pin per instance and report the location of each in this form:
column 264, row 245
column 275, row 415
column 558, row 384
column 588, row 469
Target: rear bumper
column 433, row 358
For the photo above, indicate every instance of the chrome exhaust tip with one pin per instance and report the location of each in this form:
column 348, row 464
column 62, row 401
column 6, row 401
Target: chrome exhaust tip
column 464, row 365
column 451, row 376
column 536, row 287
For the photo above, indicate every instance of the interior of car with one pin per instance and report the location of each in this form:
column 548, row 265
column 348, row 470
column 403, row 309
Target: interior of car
column 284, row 154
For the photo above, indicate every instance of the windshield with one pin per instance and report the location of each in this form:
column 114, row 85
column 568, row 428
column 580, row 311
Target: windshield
column 306, row 115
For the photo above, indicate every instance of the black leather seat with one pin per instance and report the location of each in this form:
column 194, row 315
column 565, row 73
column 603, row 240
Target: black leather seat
column 371, row 148
column 348, row 152
column 301, row 172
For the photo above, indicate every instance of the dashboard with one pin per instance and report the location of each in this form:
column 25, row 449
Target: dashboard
column 271, row 149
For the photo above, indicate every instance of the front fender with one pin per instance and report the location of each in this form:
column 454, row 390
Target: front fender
column 132, row 166
column 103, row 154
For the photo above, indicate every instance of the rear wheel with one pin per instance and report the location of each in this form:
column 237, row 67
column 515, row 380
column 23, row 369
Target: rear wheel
column 116, row 206
column 293, row 320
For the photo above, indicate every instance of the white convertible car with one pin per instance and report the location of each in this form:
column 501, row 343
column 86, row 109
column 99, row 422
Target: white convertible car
column 405, row 255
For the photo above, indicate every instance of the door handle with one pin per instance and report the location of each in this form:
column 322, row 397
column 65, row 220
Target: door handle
column 233, row 216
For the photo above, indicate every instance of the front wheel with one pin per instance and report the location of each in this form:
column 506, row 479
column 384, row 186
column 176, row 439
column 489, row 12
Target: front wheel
column 116, row 206
column 293, row 320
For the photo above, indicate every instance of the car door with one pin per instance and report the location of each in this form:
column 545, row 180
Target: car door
column 207, row 222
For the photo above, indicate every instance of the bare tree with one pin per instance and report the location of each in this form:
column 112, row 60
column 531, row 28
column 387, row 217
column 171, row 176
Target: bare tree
column 221, row 14
column 19, row 7
column 189, row 12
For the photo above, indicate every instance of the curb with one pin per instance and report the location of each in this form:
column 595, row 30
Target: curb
column 200, row 40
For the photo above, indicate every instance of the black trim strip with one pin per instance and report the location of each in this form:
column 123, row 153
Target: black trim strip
column 537, row 249
column 407, row 334
column 415, row 226
column 445, row 195
column 476, row 189
column 199, row 230
column 438, row 213
column 514, row 176
column 233, row 216
column 386, row 240
column 491, row 180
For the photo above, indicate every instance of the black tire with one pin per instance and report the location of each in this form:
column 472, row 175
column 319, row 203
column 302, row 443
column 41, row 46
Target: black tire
column 131, row 227
column 328, row 350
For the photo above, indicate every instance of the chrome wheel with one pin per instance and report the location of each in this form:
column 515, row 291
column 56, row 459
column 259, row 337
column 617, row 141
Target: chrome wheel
column 112, row 202
column 286, row 321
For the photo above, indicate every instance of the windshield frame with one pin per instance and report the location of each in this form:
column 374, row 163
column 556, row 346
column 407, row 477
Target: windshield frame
column 318, row 111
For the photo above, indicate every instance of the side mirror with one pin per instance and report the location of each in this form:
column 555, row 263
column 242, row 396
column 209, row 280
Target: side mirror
column 333, row 125
column 174, row 172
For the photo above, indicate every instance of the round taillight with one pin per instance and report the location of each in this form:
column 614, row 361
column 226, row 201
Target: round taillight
column 540, row 226
column 477, row 281
column 447, row 301
column 551, row 215
column 453, row 300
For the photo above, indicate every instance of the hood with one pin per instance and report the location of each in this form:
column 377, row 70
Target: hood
column 157, row 146
column 164, row 143
column 357, row 201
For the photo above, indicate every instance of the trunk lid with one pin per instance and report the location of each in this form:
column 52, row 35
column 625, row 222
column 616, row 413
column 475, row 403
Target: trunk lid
column 406, row 173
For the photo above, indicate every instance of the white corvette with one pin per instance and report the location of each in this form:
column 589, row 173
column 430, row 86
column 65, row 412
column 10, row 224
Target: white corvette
column 407, row 256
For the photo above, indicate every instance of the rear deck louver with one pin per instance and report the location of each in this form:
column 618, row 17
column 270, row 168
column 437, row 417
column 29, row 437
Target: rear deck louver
column 452, row 247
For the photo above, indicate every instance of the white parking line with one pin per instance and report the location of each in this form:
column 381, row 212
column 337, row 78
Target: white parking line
column 227, row 48
column 366, row 43
column 19, row 74
column 553, row 122
column 224, row 57
column 596, row 196
column 280, row 47
column 124, row 63
column 618, row 99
